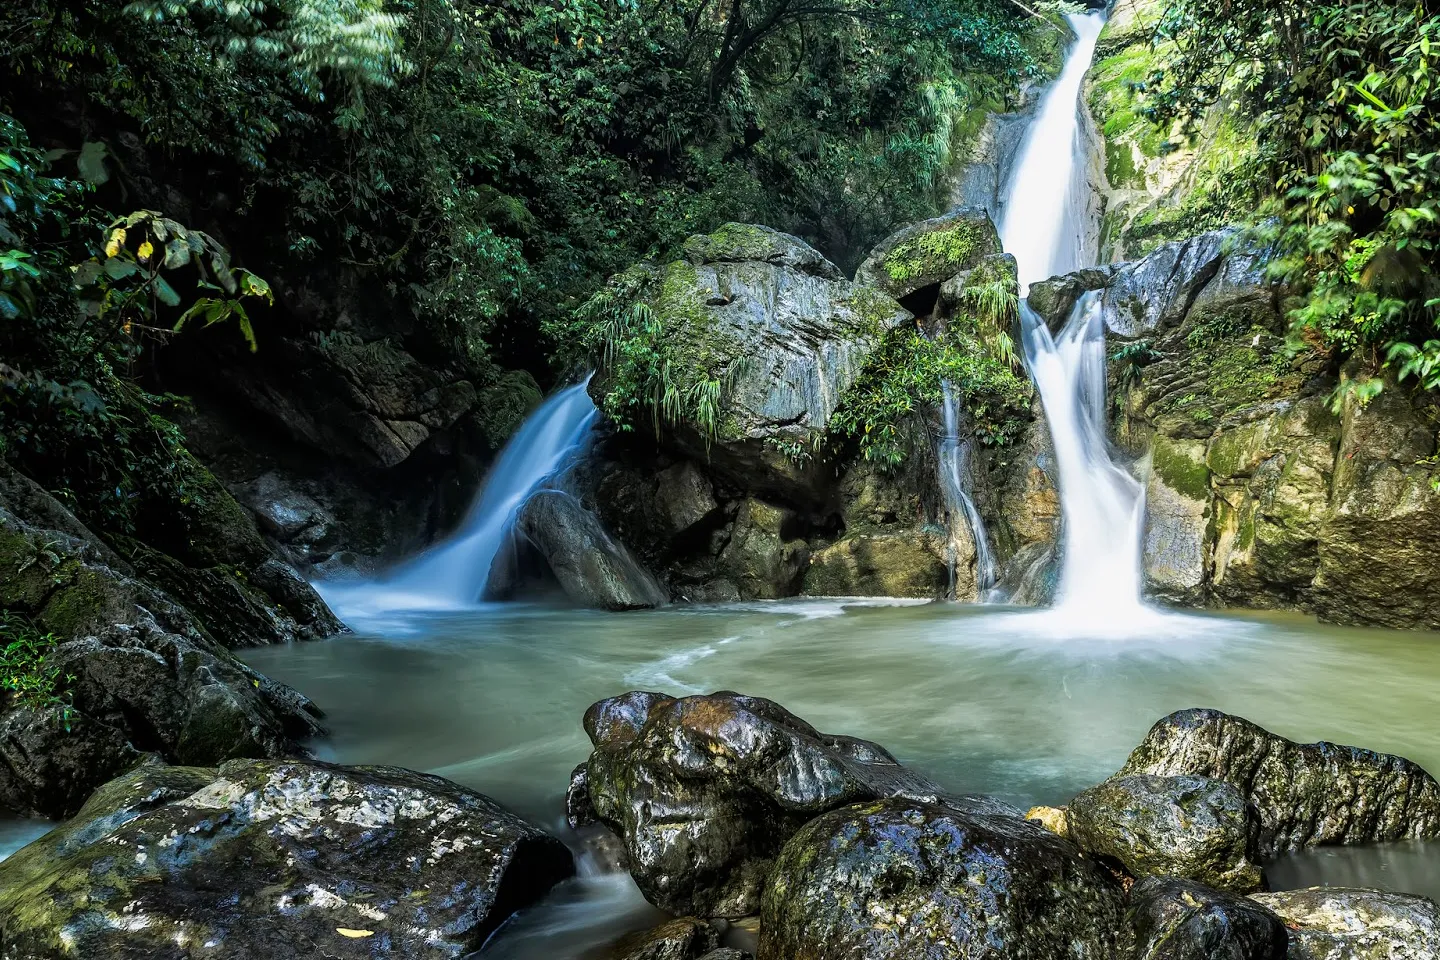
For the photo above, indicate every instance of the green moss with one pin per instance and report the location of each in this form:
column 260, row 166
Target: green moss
column 938, row 254
column 1183, row 470
column 83, row 603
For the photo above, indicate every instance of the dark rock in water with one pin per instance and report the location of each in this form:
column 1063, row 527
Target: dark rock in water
column 726, row 953
column 1053, row 299
column 275, row 859
column 578, row 811
column 1334, row 923
column 763, row 558
column 1305, row 794
column 899, row 879
column 686, row 938
column 1191, row 827
column 590, row 566
column 1176, row 919
column 706, row 790
column 927, row 254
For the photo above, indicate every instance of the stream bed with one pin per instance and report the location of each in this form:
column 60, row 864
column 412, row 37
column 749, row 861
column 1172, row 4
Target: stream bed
column 984, row 699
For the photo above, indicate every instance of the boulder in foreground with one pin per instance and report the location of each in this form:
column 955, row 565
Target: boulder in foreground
column 275, row 859
column 1333, row 923
column 1177, row 919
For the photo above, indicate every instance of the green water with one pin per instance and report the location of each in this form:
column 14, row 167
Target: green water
column 980, row 699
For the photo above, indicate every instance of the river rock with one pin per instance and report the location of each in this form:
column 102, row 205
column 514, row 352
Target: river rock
column 1334, row 923
column 771, row 319
column 1305, row 794
column 901, row 879
column 1176, row 919
column 705, row 790
column 685, row 938
column 591, row 567
column 275, row 859
column 927, row 254
column 911, row 564
column 1191, row 827
column 764, row 558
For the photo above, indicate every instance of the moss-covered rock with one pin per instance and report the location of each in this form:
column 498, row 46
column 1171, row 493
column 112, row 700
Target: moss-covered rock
column 764, row 558
column 1305, row 794
column 278, row 860
column 1191, row 827
column 898, row 879
column 927, row 254
column 1177, row 919
column 908, row 564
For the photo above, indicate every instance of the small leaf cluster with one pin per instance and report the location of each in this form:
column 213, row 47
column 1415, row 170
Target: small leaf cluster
column 29, row 677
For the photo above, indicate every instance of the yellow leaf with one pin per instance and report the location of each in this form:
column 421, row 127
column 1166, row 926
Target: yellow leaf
column 145, row 250
column 117, row 240
column 354, row 934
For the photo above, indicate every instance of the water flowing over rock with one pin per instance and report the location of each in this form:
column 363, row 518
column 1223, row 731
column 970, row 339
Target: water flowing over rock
column 1181, row 920
column 900, row 879
column 1305, row 794
column 1331, row 923
column 1190, row 827
column 146, row 675
column 275, row 859
column 705, row 790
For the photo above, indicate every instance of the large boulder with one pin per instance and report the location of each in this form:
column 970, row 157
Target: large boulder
column 1333, row 923
column 900, row 879
column 1191, row 827
column 764, row 557
column 908, row 564
column 127, row 670
column 1305, row 794
column 275, row 859
column 705, row 790
column 1177, row 919
column 684, row 938
column 928, row 253
column 771, row 320
column 591, row 567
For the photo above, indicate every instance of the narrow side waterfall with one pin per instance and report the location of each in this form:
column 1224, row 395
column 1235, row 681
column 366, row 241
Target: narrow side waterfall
column 1102, row 505
column 452, row 574
column 955, row 483
column 1043, row 224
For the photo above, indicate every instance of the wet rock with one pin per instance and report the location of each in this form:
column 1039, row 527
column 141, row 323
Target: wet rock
column 1054, row 819
column 706, row 790
column 927, row 254
column 275, row 859
column 1176, row 919
column 727, row 953
column 592, row 568
column 764, row 558
column 908, row 564
column 1144, row 295
column 1333, row 923
column 1053, row 299
column 1191, row 827
column 1305, row 794
column 686, row 938
column 766, row 316
column 49, row 762
column 899, row 879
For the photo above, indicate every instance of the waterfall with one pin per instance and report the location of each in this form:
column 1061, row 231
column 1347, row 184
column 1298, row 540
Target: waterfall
column 954, row 458
column 452, row 574
column 1102, row 505
column 1043, row 223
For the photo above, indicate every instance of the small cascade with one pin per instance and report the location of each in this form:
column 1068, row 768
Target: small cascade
column 1044, row 221
column 452, row 574
column 1103, row 505
column 955, row 484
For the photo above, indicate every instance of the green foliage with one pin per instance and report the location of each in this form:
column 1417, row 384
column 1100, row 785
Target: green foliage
column 28, row 675
column 1344, row 100
column 1419, row 361
column 1133, row 358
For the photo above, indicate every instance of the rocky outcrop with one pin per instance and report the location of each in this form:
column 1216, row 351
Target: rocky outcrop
column 925, row 255
column 897, row 878
column 278, row 860
column 1330, row 923
column 1182, row 920
column 1305, row 794
column 1190, row 827
column 705, row 790
column 129, row 670
column 590, row 566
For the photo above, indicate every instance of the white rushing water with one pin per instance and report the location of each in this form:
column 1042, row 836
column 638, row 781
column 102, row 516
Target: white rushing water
column 1102, row 505
column 1043, row 223
column 452, row 574
column 955, row 482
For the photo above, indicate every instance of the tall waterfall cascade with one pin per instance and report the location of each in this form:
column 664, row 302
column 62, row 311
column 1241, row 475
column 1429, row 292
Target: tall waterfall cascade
column 1043, row 225
column 453, row 573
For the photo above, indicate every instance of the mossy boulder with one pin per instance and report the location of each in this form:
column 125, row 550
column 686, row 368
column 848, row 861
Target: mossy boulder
column 275, row 859
column 705, row 790
column 927, row 254
column 1335, row 923
column 898, row 879
column 1305, row 794
column 1195, row 828
column 1177, row 513
column 908, row 564
column 1177, row 919
column 764, row 557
